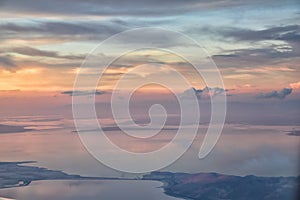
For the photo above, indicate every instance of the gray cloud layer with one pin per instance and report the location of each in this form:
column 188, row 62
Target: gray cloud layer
column 6, row 62
column 29, row 51
column 271, row 54
column 275, row 94
column 206, row 92
column 60, row 30
column 125, row 7
column 83, row 93
column 285, row 33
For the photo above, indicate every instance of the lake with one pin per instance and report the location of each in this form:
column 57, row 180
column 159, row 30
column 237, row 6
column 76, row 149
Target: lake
column 88, row 189
column 241, row 150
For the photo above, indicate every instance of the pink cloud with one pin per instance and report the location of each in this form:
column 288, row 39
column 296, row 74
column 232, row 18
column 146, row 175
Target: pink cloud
column 295, row 85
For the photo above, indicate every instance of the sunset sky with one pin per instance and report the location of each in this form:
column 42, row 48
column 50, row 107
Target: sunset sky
column 255, row 44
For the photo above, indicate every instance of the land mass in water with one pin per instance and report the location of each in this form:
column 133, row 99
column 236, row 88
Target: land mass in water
column 204, row 186
column 209, row 186
column 16, row 174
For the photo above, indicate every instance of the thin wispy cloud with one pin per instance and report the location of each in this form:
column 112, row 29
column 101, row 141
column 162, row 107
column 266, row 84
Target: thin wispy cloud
column 29, row 51
column 284, row 33
column 83, row 92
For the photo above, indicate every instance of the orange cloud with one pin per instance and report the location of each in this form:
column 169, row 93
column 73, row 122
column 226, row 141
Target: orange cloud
column 295, row 85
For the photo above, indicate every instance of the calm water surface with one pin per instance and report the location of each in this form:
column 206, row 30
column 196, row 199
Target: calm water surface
column 88, row 190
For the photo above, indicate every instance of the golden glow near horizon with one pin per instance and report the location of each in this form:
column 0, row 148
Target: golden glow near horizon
column 44, row 51
column 40, row 78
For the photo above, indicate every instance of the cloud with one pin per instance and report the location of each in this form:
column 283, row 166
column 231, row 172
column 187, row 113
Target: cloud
column 294, row 133
column 206, row 92
column 12, row 129
column 284, row 33
column 275, row 94
column 17, row 90
column 29, row 51
column 295, row 85
column 6, row 61
column 263, row 52
column 257, row 57
column 83, row 93
column 120, row 8
column 269, row 53
column 67, row 31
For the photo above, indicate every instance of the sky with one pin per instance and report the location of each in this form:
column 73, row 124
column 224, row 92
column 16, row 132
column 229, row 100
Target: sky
column 255, row 45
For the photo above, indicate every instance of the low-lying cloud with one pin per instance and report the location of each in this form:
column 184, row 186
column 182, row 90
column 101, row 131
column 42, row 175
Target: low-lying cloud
column 275, row 94
column 204, row 93
column 83, row 93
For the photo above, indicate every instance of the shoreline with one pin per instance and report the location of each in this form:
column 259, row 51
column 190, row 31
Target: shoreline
column 179, row 185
